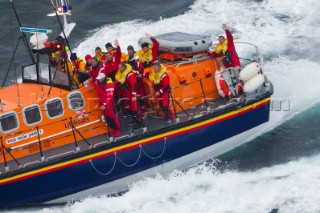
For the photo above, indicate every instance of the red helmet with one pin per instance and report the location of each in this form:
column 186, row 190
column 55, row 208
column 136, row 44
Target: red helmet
column 87, row 57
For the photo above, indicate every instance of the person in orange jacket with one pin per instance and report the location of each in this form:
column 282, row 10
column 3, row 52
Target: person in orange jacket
column 105, row 89
column 161, row 81
column 128, row 83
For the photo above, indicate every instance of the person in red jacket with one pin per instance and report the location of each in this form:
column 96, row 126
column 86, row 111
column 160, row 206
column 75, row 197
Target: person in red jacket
column 161, row 82
column 111, row 50
column 231, row 52
column 105, row 89
column 128, row 82
column 138, row 69
column 226, row 49
column 113, row 61
column 97, row 67
column 148, row 55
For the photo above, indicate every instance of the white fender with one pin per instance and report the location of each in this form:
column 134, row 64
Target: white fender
column 254, row 83
column 249, row 71
column 217, row 76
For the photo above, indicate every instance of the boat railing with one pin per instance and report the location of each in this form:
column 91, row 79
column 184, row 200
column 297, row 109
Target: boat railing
column 245, row 54
column 177, row 104
column 61, row 155
column 40, row 146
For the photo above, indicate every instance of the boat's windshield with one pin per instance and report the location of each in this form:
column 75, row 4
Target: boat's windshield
column 57, row 77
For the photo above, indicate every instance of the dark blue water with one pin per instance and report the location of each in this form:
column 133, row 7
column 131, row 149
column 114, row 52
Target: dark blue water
column 290, row 141
column 287, row 147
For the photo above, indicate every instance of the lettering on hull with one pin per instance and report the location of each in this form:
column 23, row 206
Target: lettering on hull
column 76, row 122
column 24, row 136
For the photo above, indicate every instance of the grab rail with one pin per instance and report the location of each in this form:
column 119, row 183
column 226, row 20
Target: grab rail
column 4, row 156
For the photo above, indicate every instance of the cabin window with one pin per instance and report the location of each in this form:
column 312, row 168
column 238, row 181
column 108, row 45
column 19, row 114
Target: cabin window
column 54, row 108
column 32, row 115
column 9, row 122
column 76, row 101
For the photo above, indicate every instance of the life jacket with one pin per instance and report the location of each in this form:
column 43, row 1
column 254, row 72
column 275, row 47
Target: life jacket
column 121, row 77
column 156, row 77
column 123, row 57
column 222, row 48
column 101, row 57
column 79, row 66
column 145, row 57
column 131, row 59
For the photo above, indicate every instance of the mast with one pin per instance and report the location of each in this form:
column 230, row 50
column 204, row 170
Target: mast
column 62, row 8
column 64, row 11
column 24, row 35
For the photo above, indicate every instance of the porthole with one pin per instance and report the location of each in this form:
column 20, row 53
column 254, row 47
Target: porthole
column 54, row 108
column 9, row 122
column 75, row 101
column 32, row 115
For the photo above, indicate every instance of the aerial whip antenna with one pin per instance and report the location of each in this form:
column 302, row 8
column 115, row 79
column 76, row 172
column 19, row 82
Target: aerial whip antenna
column 24, row 35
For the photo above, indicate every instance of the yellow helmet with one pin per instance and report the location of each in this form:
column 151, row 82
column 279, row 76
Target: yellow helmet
column 56, row 53
column 109, row 81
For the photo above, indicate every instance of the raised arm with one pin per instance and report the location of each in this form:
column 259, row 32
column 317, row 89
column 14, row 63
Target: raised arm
column 155, row 47
column 231, row 47
column 117, row 54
